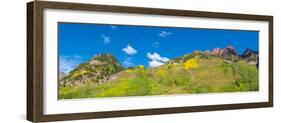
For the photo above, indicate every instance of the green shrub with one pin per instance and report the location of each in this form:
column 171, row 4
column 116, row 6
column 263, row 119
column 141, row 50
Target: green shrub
column 211, row 75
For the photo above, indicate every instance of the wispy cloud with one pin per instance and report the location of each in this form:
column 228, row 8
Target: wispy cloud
column 128, row 62
column 68, row 63
column 76, row 57
column 156, row 59
column 164, row 34
column 155, row 44
column 129, row 50
column 106, row 39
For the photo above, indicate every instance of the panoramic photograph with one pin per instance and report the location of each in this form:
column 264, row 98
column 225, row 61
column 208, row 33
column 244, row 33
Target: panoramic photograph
column 104, row 60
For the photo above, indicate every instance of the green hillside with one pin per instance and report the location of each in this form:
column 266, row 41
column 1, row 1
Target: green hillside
column 193, row 73
column 98, row 70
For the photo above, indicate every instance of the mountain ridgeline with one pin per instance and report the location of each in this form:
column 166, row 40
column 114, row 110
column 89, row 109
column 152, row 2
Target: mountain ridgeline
column 228, row 54
column 219, row 70
column 98, row 70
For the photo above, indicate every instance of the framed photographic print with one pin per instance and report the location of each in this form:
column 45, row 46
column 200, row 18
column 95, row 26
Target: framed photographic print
column 96, row 61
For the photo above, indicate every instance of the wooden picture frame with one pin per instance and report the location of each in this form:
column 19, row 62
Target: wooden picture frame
column 35, row 62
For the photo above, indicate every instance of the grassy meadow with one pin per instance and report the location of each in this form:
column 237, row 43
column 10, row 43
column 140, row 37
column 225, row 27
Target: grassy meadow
column 193, row 75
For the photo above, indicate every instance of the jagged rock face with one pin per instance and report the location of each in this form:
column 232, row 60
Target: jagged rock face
column 98, row 70
column 107, row 58
column 228, row 51
column 61, row 75
column 250, row 56
column 97, row 62
column 216, row 51
column 229, row 54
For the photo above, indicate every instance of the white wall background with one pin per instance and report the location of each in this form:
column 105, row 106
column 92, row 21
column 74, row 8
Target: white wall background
column 13, row 61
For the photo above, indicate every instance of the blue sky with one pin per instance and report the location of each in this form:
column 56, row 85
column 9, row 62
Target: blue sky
column 143, row 45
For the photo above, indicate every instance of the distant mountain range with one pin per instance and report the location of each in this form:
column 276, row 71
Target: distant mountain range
column 217, row 70
column 228, row 53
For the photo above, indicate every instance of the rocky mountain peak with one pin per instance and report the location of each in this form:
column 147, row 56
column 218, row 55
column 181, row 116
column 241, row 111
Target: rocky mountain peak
column 230, row 50
column 99, row 69
column 61, row 75
column 216, row 51
column 250, row 56
column 104, row 59
column 249, row 52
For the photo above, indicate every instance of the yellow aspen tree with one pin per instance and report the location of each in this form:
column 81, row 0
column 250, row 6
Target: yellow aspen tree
column 190, row 64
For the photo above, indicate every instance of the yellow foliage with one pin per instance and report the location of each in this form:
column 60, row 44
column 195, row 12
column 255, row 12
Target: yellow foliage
column 163, row 73
column 141, row 67
column 129, row 70
column 79, row 73
column 190, row 64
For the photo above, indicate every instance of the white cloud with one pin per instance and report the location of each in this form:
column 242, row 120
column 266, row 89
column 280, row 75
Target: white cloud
column 128, row 63
column 156, row 59
column 156, row 44
column 130, row 50
column 164, row 34
column 68, row 63
column 155, row 63
column 106, row 39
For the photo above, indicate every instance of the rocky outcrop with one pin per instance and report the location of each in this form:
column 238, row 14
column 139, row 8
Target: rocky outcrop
column 97, row 70
column 250, row 56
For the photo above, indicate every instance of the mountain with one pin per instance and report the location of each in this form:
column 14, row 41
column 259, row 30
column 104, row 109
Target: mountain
column 230, row 53
column 198, row 72
column 97, row 70
column 105, row 58
column 250, row 56
column 61, row 75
